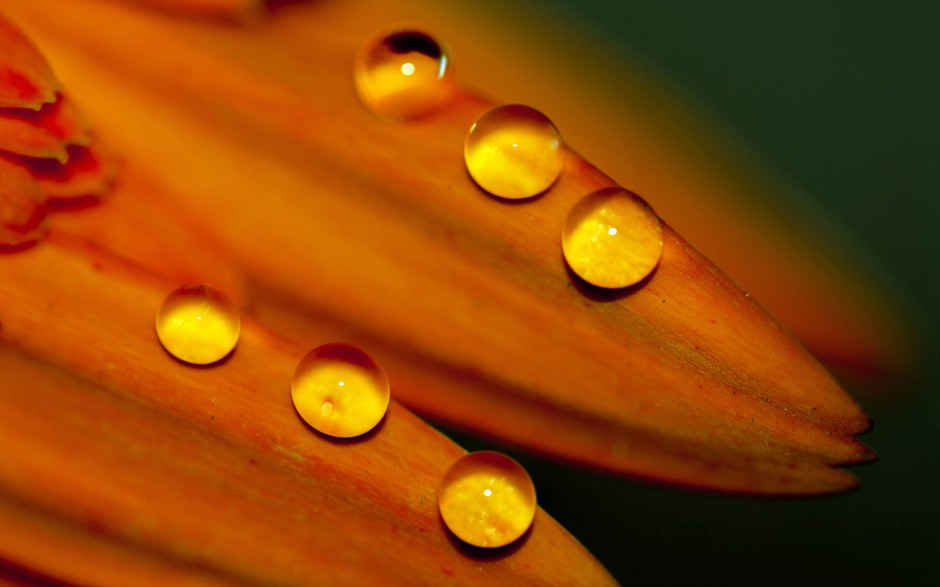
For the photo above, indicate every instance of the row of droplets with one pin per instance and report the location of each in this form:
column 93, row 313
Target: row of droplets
column 486, row 499
column 611, row 239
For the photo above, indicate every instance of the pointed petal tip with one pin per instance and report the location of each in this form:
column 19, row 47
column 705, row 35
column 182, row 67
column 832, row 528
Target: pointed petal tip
column 26, row 80
column 841, row 482
column 865, row 455
column 45, row 133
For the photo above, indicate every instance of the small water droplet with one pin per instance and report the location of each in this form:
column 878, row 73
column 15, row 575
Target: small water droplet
column 198, row 324
column 487, row 499
column 612, row 238
column 403, row 72
column 339, row 390
column 514, row 152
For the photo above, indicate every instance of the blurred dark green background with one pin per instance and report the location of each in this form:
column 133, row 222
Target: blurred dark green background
column 842, row 98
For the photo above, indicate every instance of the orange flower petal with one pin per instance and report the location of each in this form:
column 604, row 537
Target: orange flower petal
column 123, row 466
column 643, row 133
column 348, row 227
column 142, row 221
column 238, row 10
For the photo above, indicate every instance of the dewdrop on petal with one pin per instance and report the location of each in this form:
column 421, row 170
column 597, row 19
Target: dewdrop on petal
column 340, row 391
column 198, row 324
column 612, row 238
column 487, row 499
column 514, row 152
column 403, row 72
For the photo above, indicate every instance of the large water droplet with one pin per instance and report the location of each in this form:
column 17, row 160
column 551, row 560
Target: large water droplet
column 514, row 152
column 487, row 499
column 339, row 390
column 198, row 324
column 403, row 73
column 612, row 238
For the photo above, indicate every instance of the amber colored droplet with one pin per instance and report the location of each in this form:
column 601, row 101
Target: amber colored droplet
column 198, row 324
column 487, row 499
column 404, row 72
column 514, row 152
column 612, row 238
column 339, row 390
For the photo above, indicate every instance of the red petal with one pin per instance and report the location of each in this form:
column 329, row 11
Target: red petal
column 26, row 80
column 44, row 133
column 83, row 179
column 21, row 208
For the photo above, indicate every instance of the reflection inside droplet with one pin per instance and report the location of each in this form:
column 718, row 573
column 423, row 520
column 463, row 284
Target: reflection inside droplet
column 612, row 238
column 514, row 152
column 487, row 499
column 198, row 324
column 403, row 73
column 339, row 390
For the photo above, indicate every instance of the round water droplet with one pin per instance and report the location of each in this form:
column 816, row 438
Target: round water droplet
column 487, row 499
column 198, row 324
column 339, row 390
column 612, row 238
column 514, row 152
column 403, row 72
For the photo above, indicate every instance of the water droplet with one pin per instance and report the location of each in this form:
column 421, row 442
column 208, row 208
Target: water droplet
column 339, row 390
column 403, row 72
column 514, row 152
column 198, row 324
column 487, row 499
column 612, row 238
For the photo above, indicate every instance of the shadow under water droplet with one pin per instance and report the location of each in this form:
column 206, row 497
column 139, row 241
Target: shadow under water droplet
column 365, row 437
column 508, row 201
column 484, row 554
column 602, row 294
column 189, row 365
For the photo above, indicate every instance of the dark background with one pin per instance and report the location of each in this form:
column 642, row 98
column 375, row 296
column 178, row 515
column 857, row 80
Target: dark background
column 841, row 97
